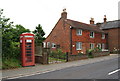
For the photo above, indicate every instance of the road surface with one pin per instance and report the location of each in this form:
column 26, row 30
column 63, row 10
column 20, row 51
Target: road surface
column 107, row 69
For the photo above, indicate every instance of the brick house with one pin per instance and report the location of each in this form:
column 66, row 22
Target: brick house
column 75, row 37
column 113, row 30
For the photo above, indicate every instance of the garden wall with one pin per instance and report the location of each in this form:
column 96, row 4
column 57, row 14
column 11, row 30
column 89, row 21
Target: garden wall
column 85, row 56
column 98, row 54
column 42, row 58
column 39, row 59
column 77, row 57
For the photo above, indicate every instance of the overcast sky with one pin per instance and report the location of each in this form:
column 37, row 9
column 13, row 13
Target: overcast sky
column 30, row 13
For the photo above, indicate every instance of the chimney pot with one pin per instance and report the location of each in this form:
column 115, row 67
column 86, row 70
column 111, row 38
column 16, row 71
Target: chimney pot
column 92, row 21
column 105, row 19
column 64, row 14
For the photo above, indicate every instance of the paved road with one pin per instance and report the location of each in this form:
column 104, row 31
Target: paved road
column 97, row 70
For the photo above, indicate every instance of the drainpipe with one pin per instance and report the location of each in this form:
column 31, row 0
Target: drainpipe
column 107, row 41
column 71, row 39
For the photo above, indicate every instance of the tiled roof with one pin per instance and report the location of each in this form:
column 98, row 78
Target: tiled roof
column 111, row 24
column 76, row 24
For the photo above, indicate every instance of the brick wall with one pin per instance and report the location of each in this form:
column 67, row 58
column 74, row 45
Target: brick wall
column 98, row 54
column 86, row 40
column 77, row 57
column 113, row 38
column 60, row 35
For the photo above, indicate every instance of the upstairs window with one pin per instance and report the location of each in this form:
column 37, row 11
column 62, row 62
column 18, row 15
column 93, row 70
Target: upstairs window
column 103, row 36
column 79, row 31
column 78, row 45
column 91, row 45
column 53, row 45
column 91, row 34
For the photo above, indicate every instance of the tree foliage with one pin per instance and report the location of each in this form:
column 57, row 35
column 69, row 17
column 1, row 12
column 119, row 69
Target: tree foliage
column 10, row 37
column 10, row 34
column 39, row 33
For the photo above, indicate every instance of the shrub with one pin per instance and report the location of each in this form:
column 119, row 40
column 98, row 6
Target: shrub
column 89, row 53
column 80, row 54
column 115, row 51
column 10, row 42
column 58, row 54
column 9, row 63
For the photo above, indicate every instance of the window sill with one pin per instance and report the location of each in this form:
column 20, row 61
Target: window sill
column 91, row 37
column 53, row 47
column 78, row 49
column 103, row 38
column 79, row 35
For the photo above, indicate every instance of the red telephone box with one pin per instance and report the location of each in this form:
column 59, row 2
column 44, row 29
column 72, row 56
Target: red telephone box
column 27, row 49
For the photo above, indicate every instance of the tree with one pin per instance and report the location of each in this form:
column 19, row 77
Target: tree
column 39, row 33
column 10, row 37
column 10, row 42
column 19, row 29
column 6, row 34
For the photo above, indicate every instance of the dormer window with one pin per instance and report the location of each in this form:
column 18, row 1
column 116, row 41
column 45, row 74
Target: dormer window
column 79, row 31
column 103, row 36
column 91, row 34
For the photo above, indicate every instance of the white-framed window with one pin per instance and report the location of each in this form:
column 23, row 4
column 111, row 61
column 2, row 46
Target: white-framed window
column 44, row 44
column 99, row 45
column 91, row 45
column 91, row 34
column 78, row 31
column 103, row 46
column 48, row 44
column 103, row 36
column 53, row 45
column 78, row 45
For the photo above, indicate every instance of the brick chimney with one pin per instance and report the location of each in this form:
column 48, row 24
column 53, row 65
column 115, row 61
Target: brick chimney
column 105, row 19
column 64, row 14
column 92, row 21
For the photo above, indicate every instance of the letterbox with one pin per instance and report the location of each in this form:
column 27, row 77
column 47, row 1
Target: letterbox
column 27, row 49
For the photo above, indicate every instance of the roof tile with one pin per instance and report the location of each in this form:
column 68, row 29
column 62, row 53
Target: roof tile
column 76, row 24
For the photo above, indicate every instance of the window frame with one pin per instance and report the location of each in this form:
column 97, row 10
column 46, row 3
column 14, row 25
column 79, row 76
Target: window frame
column 103, row 36
column 78, row 45
column 79, row 32
column 93, row 45
column 93, row 35
column 103, row 46
column 48, row 44
column 44, row 44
